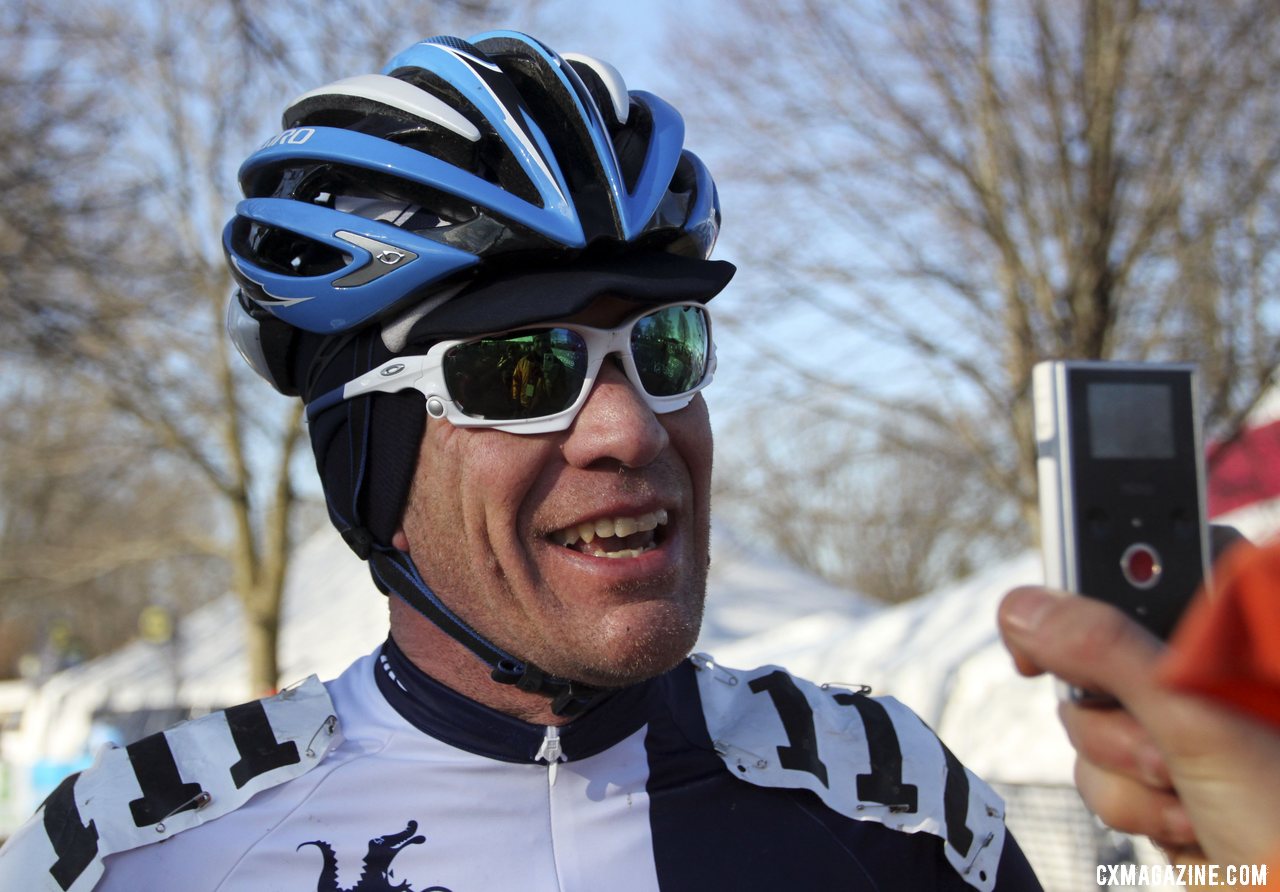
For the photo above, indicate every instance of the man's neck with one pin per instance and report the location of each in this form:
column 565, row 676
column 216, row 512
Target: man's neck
column 451, row 664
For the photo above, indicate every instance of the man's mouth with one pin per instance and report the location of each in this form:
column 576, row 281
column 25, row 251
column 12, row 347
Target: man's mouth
column 614, row 537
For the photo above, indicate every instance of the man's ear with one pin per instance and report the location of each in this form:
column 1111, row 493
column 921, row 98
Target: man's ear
column 399, row 540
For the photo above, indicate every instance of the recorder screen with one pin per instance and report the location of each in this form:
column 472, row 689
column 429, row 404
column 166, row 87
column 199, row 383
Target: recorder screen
column 1130, row 421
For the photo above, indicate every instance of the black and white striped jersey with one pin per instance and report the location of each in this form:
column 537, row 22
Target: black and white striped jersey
column 705, row 778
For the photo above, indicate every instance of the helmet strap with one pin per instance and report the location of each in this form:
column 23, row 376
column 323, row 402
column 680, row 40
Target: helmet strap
column 394, row 572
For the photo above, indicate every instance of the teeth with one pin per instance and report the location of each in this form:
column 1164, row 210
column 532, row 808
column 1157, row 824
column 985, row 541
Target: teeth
column 607, row 527
column 626, row 552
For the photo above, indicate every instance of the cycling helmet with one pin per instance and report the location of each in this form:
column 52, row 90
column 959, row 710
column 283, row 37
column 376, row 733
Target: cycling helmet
column 472, row 185
column 460, row 158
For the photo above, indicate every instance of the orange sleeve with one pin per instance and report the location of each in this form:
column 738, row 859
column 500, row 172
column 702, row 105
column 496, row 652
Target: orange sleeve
column 1228, row 647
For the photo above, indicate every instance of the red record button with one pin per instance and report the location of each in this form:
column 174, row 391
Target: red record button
column 1141, row 565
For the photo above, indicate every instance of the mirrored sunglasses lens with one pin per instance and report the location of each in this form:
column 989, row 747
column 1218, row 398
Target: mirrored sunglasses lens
column 671, row 349
column 523, row 375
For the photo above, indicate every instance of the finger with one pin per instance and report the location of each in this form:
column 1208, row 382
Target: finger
column 1191, row 855
column 1083, row 641
column 1020, row 609
column 1113, row 740
column 1133, row 807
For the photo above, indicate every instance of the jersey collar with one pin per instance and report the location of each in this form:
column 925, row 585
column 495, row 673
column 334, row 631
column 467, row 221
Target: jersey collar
column 446, row 715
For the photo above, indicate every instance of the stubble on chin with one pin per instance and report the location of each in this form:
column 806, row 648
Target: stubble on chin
column 633, row 645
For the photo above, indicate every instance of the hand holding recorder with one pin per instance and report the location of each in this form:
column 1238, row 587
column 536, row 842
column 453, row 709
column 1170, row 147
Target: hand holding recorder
column 1198, row 778
column 1120, row 461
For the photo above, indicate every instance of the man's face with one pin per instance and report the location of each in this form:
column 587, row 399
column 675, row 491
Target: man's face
column 494, row 523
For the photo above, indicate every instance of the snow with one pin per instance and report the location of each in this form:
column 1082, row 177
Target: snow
column 942, row 656
column 750, row 591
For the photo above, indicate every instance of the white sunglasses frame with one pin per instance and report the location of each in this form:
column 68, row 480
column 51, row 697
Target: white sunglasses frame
column 424, row 372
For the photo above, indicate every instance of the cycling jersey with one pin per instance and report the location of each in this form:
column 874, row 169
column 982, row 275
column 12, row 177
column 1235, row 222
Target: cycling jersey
column 704, row 778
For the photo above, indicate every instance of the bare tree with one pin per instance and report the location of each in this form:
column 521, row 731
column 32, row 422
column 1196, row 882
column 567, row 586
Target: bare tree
column 71, row 470
column 955, row 189
column 111, row 255
column 846, row 504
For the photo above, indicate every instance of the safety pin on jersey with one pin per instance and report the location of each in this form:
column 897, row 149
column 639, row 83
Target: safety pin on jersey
column 985, row 842
column 895, row 808
column 196, row 802
column 289, row 690
column 863, row 689
column 704, row 663
column 723, row 750
column 327, row 727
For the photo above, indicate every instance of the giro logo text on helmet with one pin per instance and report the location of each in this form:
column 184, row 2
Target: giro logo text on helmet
column 294, row 136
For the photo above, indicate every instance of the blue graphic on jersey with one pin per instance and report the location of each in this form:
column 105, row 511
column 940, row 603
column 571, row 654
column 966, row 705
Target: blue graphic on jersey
column 376, row 875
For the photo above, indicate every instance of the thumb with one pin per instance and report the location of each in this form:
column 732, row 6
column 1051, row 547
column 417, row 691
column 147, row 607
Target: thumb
column 1083, row 641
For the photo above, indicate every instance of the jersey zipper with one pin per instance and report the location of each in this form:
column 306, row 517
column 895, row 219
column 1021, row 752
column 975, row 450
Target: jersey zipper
column 550, row 752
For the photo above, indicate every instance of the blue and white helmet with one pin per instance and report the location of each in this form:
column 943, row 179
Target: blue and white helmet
column 384, row 189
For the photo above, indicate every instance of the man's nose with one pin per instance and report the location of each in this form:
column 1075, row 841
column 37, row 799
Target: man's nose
column 614, row 424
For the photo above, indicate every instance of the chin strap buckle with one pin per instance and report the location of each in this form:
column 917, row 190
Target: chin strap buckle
column 569, row 699
column 360, row 540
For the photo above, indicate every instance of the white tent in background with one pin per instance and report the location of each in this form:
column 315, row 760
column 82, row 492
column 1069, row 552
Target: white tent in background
column 331, row 613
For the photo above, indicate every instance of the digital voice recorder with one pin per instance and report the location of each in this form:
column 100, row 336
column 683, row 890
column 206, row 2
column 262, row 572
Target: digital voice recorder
column 1121, row 475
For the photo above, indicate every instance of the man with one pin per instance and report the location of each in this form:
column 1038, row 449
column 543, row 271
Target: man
column 532, row 722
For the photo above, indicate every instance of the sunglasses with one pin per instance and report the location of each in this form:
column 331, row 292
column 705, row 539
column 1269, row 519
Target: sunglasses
column 534, row 380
